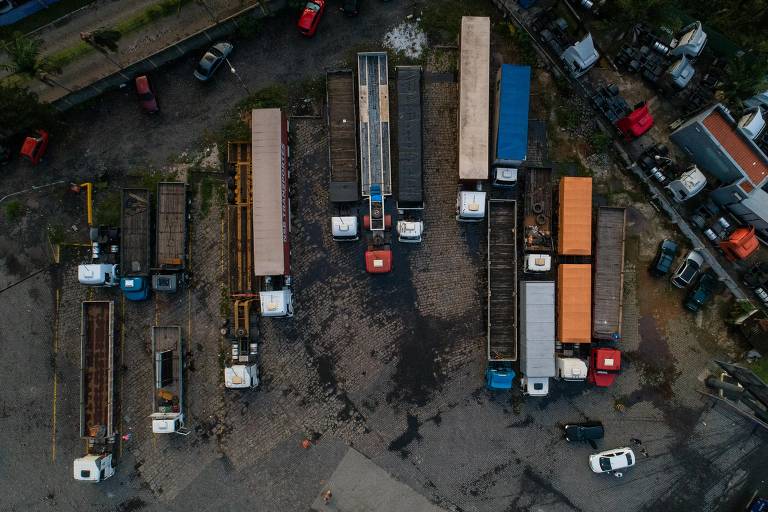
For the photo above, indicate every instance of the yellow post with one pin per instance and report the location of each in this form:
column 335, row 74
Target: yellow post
column 89, row 197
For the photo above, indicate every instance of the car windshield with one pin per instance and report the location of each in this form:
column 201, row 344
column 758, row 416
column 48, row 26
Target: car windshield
column 605, row 463
column 689, row 271
column 629, row 459
column 202, row 70
column 311, row 6
column 214, row 54
column 147, row 96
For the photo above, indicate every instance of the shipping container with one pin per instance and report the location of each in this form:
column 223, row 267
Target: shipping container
column 574, row 303
column 575, row 217
column 474, row 97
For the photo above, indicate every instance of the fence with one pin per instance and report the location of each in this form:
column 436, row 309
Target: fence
column 194, row 42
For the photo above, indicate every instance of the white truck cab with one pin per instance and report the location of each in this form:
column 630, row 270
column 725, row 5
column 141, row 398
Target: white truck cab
column 98, row 274
column 752, row 123
column 538, row 262
column 470, row 206
column 240, row 376
column 690, row 42
column 505, row 177
column 580, row 57
column 94, row 468
column 690, row 183
column 571, row 368
column 276, row 302
column 344, row 229
column 409, row 231
column 167, row 425
column 535, row 386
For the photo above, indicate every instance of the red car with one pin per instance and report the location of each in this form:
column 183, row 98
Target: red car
column 146, row 97
column 310, row 17
column 34, row 147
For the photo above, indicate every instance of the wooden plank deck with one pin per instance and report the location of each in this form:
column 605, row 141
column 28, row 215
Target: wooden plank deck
column 608, row 287
column 342, row 135
column 502, row 280
column 170, row 243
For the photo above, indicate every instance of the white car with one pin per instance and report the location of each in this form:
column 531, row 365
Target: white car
column 688, row 269
column 612, row 460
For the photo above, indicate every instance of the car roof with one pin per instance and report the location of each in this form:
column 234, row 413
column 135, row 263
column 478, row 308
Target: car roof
column 696, row 256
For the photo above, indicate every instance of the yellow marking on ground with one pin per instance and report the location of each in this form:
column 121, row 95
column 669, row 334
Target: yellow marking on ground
column 122, row 349
column 55, row 377
column 90, row 293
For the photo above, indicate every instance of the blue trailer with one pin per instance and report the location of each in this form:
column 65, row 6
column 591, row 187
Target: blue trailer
column 510, row 134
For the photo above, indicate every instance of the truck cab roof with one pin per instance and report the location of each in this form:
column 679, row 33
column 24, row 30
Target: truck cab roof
column 471, row 205
column 276, row 303
column 241, row 376
column 96, row 274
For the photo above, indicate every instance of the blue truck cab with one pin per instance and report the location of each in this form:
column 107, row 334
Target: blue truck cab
column 499, row 377
column 135, row 288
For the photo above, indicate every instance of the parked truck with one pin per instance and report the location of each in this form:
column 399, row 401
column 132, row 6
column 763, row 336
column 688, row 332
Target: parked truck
column 474, row 83
column 168, row 398
column 171, row 236
column 97, row 405
column 608, row 286
column 410, row 190
column 344, row 189
column 271, row 223
column 502, row 293
column 510, row 134
column 242, row 372
column 135, row 243
column 537, row 219
column 537, row 336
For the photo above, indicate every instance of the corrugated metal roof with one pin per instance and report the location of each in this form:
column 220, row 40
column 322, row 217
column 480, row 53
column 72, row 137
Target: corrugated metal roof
column 574, row 304
column 409, row 134
column 269, row 227
column 575, row 230
column 514, row 93
column 474, row 92
column 741, row 152
column 538, row 328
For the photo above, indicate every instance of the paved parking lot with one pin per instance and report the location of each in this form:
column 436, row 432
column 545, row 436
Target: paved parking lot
column 388, row 365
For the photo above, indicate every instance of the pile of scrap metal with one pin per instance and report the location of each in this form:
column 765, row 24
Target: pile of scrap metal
column 630, row 122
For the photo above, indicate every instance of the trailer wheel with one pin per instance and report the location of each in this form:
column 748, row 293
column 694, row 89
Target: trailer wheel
column 538, row 208
column 541, row 219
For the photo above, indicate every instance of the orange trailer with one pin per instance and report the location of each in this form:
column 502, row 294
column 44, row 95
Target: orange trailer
column 574, row 303
column 575, row 217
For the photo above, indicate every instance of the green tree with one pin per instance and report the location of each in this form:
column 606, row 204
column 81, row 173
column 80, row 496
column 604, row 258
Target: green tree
column 26, row 59
column 745, row 76
column 21, row 111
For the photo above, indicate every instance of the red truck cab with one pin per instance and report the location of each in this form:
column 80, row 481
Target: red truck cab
column 636, row 122
column 604, row 365
column 378, row 260
column 741, row 244
column 34, row 147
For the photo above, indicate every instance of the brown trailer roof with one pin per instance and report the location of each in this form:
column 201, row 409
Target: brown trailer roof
column 269, row 189
column 575, row 217
column 733, row 142
column 608, row 293
column 574, row 304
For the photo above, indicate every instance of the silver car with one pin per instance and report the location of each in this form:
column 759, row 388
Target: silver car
column 212, row 60
column 688, row 269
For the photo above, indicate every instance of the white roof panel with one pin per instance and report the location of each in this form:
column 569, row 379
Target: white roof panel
column 474, row 94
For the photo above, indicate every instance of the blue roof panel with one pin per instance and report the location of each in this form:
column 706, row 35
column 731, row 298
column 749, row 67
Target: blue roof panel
column 514, row 94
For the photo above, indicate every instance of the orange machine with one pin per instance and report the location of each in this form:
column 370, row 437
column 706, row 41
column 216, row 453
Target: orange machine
column 740, row 244
column 574, row 303
column 575, row 217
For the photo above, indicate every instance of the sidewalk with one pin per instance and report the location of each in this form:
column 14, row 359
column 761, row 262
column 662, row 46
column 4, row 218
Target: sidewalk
column 135, row 46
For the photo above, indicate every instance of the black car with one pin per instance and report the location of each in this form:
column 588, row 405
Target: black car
column 664, row 258
column 699, row 296
column 587, row 431
column 349, row 7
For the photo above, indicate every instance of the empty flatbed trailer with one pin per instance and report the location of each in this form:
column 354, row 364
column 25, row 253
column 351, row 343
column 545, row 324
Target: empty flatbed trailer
column 342, row 129
column 410, row 188
column 608, row 291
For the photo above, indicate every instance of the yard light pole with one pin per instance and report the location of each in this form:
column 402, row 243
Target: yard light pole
column 234, row 72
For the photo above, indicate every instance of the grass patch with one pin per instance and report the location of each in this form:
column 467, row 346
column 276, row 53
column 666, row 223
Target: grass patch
column 65, row 57
column 567, row 117
column 274, row 96
column 150, row 14
column 150, row 178
column 56, row 233
column 14, row 210
column 106, row 211
column 521, row 41
column 760, row 368
column 441, row 21
column 600, row 141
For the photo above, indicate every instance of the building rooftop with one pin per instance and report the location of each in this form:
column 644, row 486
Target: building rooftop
column 751, row 161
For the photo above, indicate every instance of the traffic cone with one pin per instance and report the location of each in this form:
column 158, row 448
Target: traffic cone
column 306, row 444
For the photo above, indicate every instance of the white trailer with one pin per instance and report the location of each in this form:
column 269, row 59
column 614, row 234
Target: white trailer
column 537, row 336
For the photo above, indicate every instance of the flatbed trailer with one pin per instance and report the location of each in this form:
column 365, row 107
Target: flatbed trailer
column 240, row 221
column 342, row 130
column 171, row 235
column 135, row 257
column 537, row 213
column 410, row 192
column 608, row 302
column 97, row 387
column 168, row 397
column 502, row 285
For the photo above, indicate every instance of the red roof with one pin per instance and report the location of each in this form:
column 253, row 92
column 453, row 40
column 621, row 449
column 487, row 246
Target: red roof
column 378, row 261
column 744, row 155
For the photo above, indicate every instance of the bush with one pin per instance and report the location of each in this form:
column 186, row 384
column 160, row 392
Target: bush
column 14, row 210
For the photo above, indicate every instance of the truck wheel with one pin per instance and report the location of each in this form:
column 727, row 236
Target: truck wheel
column 541, row 219
column 538, row 207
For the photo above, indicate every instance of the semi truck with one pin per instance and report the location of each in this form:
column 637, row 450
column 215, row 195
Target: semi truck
column 271, row 223
column 344, row 187
column 537, row 219
column 375, row 162
column 97, row 388
column 537, row 336
column 410, row 195
column 134, row 243
column 474, row 71
column 168, row 397
column 575, row 216
column 502, row 294
column 510, row 135
column 171, row 236
column 608, row 286
column 242, row 372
